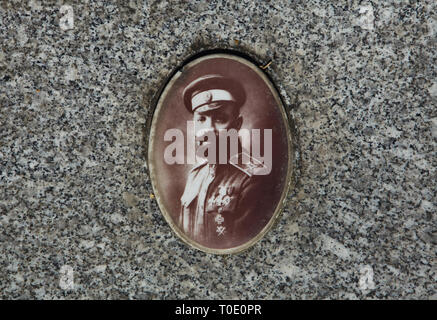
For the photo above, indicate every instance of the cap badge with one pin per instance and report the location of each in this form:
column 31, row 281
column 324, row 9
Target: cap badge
column 208, row 97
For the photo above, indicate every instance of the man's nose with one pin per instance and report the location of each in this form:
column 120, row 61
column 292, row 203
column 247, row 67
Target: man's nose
column 204, row 128
column 208, row 122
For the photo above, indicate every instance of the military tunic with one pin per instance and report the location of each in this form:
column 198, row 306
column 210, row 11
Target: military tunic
column 217, row 204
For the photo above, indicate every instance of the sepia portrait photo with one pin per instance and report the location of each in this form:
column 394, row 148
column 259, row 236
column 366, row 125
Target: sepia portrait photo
column 219, row 153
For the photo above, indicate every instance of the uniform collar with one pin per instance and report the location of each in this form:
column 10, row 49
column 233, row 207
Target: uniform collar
column 199, row 164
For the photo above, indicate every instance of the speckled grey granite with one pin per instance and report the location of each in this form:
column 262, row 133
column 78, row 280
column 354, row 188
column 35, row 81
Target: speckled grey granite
column 358, row 77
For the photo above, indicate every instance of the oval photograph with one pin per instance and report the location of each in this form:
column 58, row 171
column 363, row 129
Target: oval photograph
column 219, row 153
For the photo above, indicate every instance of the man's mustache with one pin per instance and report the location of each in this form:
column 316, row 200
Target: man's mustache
column 202, row 133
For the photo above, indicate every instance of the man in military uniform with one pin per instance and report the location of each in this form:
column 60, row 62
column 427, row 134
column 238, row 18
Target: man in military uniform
column 221, row 202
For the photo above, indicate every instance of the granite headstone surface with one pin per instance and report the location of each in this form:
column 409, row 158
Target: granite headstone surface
column 78, row 219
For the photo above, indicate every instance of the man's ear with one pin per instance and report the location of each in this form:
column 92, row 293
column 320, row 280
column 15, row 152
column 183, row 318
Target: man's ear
column 238, row 122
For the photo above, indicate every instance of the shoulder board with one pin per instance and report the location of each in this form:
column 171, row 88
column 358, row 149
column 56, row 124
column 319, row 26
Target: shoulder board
column 251, row 165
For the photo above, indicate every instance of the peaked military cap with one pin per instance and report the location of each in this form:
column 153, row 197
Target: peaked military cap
column 202, row 92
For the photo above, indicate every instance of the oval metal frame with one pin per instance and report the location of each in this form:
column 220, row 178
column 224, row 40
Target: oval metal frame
column 152, row 171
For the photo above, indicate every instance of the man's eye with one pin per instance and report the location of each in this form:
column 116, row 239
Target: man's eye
column 220, row 120
column 201, row 119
